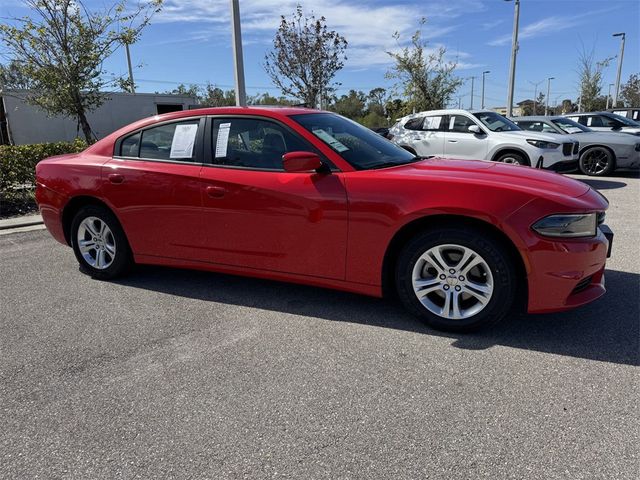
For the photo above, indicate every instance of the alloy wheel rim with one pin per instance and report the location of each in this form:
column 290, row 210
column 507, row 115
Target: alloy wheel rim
column 452, row 281
column 595, row 161
column 511, row 160
column 96, row 243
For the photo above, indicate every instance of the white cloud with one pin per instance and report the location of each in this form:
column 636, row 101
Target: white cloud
column 368, row 28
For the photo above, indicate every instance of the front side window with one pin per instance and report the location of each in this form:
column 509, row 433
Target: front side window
column 253, row 143
column 595, row 121
column 359, row 146
column 496, row 122
column 460, row 123
column 612, row 117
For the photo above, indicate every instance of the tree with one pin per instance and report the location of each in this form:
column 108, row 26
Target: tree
column 305, row 57
column 266, row 99
column 426, row 78
column 61, row 51
column 377, row 99
column 12, row 75
column 630, row 91
column 352, row 105
column 590, row 80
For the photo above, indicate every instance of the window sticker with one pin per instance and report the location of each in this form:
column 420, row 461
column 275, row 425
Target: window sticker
column 222, row 140
column 452, row 122
column 332, row 141
column 589, row 120
column 184, row 139
column 432, row 123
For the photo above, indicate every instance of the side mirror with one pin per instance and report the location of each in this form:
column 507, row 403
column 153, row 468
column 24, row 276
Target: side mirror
column 475, row 129
column 298, row 162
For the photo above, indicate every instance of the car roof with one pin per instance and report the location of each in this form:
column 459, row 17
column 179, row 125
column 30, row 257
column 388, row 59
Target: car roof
column 536, row 118
column 270, row 110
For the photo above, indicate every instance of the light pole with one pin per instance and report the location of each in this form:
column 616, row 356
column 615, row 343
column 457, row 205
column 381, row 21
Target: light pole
column 472, row 80
column 238, row 63
column 609, row 96
column 617, row 90
column 483, row 74
column 535, row 95
column 514, row 52
column 132, row 86
column 546, row 107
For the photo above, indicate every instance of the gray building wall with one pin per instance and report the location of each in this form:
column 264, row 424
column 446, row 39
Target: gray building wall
column 30, row 124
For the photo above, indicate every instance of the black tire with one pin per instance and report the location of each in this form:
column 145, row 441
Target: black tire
column 120, row 262
column 596, row 161
column 513, row 158
column 495, row 256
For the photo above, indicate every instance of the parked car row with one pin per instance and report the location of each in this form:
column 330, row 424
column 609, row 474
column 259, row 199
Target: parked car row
column 554, row 143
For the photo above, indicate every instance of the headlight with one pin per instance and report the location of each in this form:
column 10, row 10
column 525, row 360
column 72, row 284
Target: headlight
column 542, row 144
column 567, row 225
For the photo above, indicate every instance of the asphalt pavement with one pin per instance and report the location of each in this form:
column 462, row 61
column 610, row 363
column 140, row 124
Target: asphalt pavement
column 180, row 374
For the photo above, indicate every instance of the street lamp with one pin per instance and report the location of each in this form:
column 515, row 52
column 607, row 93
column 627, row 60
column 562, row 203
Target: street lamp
column 472, row 81
column 617, row 90
column 546, row 107
column 609, row 95
column 514, row 51
column 483, row 74
column 535, row 95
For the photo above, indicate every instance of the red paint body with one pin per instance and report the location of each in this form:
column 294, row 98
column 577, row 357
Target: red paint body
column 325, row 229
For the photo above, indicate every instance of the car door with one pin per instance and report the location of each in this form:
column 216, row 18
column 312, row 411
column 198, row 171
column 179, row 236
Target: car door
column 153, row 182
column 258, row 216
column 459, row 142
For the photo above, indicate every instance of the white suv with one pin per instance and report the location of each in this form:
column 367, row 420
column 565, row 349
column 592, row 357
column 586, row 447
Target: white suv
column 482, row 135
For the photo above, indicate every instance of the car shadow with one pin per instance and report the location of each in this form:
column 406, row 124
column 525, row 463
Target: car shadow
column 599, row 184
column 608, row 330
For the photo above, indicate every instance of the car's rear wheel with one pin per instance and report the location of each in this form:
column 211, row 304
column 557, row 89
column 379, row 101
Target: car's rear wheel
column 99, row 243
column 596, row 162
column 513, row 158
column 456, row 279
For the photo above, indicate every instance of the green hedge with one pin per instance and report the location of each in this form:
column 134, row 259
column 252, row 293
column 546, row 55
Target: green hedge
column 18, row 163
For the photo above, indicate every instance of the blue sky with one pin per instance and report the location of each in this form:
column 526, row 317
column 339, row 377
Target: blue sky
column 190, row 41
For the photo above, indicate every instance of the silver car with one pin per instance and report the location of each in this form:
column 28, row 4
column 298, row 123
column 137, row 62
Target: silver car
column 606, row 122
column 482, row 135
column 600, row 152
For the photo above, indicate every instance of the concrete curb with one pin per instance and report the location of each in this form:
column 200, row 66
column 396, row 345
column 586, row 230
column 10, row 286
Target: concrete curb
column 19, row 222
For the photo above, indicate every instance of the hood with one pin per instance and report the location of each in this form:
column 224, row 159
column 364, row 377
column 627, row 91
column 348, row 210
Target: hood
column 608, row 137
column 538, row 182
column 545, row 137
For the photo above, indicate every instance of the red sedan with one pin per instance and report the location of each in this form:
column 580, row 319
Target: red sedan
column 306, row 196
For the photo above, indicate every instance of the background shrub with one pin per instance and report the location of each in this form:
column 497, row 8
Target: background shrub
column 17, row 171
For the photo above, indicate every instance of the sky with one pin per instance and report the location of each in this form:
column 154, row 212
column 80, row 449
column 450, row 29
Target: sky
column 190, row 41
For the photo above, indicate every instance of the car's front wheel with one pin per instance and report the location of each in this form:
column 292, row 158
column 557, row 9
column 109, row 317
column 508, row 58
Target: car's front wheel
column 456, row 279
column 513, row 158
column 596, row 162
column 99, row 243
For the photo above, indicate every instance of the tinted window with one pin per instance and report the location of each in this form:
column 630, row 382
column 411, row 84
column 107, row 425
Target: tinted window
column 129, row 146
column 595, row 121
column 414, row 124
column 358, row 145
column 170, row 141
column 253, row 143
column 460, row 123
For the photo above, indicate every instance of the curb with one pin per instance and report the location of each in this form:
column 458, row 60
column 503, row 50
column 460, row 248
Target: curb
column 19, row 222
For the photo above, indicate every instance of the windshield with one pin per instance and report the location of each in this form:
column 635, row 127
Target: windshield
column 569, row 126
column 623, row 120
column 496, row 122
column 359, row 146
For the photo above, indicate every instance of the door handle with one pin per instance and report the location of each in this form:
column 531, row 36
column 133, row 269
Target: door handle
column 452, row 141
column 116, row 178
column 215, row 192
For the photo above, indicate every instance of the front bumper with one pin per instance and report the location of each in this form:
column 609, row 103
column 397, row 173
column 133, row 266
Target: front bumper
column 555, row 160
column 566, row 166
column 565, row 274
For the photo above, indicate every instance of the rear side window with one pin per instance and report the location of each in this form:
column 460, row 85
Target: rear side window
column 169, row 142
